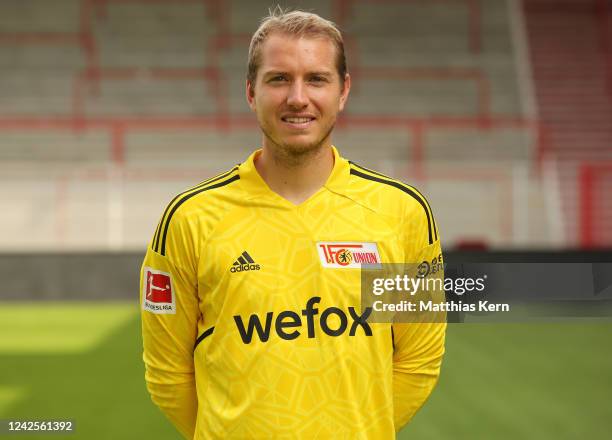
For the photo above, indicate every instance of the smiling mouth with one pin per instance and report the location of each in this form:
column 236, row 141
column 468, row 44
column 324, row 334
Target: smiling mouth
column 298, row 122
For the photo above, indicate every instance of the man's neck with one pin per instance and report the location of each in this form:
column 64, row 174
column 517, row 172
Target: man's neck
column 295, row 180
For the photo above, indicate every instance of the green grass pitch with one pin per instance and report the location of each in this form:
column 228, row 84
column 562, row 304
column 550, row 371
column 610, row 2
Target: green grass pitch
column 499, row 381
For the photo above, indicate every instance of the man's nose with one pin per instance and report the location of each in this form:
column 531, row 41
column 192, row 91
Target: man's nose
column 297, row 97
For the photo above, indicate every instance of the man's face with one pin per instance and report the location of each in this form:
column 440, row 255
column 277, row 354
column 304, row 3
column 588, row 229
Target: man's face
column 297, row 93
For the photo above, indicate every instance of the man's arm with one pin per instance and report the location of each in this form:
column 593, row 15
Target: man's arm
column 170, row 314
column 417, row 358
column 418, row 341
column 419, row 346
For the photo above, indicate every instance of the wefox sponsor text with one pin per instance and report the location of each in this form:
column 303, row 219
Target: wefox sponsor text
column 288, row 319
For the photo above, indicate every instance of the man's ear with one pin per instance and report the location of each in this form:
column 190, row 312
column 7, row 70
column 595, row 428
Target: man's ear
column 250, row 94
column 345, row 91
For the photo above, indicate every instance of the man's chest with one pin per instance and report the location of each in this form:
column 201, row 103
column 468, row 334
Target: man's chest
column 275, row 259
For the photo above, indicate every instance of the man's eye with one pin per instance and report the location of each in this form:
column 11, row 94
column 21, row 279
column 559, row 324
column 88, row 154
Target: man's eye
column 318, row 79
column 277, row 78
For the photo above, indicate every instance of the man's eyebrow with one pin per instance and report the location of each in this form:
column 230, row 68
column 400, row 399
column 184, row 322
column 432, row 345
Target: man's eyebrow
column 275, row 72
column 280, row 72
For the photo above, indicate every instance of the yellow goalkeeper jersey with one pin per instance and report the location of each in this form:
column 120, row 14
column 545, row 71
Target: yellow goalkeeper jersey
column 251, row 317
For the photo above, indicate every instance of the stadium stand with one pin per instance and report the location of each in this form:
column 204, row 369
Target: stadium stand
column 113, row 96
column 571, row 45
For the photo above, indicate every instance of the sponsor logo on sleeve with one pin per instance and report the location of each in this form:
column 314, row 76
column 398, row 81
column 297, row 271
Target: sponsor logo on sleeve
column 348, row 255
column 158, row 294
column 430, row 267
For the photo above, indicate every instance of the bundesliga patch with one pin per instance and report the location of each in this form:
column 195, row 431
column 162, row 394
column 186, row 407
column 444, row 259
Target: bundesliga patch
column 347, row 254
column 158, row 296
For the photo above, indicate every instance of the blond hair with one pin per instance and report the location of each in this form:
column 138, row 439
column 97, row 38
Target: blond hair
column 297, row 24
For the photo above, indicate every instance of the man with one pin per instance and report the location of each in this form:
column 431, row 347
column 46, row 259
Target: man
column 252, row 323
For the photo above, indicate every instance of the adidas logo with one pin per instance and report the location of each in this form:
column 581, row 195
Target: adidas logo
column 244, row 263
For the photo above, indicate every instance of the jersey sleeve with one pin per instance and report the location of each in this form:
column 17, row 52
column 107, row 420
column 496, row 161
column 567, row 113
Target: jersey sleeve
column 169, row 310
column 419, row 345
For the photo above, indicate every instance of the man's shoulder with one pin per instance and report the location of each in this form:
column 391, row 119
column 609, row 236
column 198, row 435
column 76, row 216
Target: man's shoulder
column 205, row 193
column 374, row 188
column 195, row 211
column 393, row 198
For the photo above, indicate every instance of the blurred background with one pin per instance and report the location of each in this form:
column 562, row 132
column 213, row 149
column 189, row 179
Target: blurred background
column 500, row 111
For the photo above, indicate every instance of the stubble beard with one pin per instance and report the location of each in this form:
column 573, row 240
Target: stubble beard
column 292, row 155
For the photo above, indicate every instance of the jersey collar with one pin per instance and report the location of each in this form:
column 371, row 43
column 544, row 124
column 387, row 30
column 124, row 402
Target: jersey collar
column 255, row 186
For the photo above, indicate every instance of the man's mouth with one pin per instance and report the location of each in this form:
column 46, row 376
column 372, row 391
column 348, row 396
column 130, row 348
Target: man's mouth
column 298, row 121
